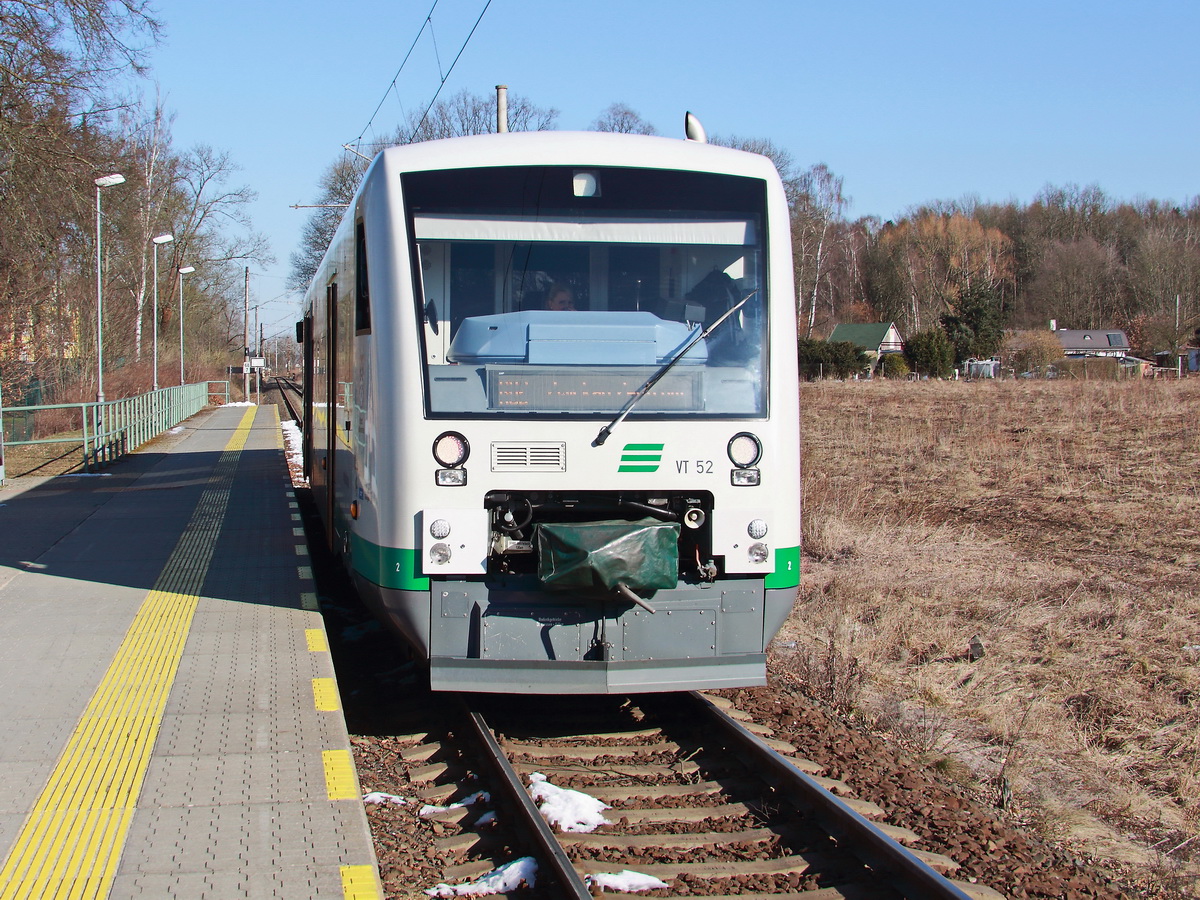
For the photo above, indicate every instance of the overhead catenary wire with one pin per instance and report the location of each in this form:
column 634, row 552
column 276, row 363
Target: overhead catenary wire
column 428, row 22
column 446, row 77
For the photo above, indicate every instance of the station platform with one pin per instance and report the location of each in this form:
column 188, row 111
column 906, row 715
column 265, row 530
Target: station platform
column 171, row 723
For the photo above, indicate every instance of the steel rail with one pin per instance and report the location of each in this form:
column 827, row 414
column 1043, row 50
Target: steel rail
column 283, row 386
column 913, row 876
column 570, row 884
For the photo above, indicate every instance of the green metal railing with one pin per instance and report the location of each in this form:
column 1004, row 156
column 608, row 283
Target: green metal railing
column 111, row 429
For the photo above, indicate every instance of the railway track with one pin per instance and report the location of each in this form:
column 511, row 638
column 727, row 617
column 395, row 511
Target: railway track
column 698, row 801
column 289, row 394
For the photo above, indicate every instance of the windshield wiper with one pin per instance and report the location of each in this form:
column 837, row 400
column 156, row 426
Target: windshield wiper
column 641, row 392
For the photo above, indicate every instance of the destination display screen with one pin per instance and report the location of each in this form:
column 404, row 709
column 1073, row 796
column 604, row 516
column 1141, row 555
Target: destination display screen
column 537, row 390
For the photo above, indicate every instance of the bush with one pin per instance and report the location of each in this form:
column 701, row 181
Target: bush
column 893, row 365
column 822, row 359
column 930, row 353
column 1031, row 351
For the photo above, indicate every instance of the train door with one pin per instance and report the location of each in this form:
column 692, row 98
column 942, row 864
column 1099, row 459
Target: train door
column 306, row 425
column 332, row 414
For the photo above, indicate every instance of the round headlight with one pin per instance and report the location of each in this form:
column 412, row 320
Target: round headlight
column 439, row 554
column 451, row 449
column 758, row 553
column 439, row 528
column 744, row 450
column 757, row 529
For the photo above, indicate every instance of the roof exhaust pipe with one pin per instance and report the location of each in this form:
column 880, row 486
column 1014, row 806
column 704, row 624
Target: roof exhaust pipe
column 501, row 109
column 693, row 130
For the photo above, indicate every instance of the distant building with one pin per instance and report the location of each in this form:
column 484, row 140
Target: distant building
column 1080, row 343
column 875, row 337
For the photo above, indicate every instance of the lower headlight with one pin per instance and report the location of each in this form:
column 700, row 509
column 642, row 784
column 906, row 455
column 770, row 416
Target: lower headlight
column 758, row 553
column 745, row 477
column 451, row 477
column 439, row 554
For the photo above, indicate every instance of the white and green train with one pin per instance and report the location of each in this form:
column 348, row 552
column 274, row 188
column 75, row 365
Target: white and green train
column 551, row 414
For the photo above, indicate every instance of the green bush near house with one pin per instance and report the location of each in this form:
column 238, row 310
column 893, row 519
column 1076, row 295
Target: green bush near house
column 893, row 365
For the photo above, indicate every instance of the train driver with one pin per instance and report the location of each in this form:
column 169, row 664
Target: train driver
column 560, row 297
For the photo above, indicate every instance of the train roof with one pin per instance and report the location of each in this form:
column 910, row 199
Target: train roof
column 575, row 148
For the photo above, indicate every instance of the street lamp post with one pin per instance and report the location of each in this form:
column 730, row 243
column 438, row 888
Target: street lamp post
column 158, row 241
column 101, row 182
column 183, row 270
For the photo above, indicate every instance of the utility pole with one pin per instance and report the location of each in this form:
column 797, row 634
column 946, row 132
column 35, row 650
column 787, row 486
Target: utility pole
column 246, row 339
column 257, row 355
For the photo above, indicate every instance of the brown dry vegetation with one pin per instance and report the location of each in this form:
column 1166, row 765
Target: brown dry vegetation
column 1060, row 523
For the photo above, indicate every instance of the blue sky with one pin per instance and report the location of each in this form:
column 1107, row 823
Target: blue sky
column 907, row 102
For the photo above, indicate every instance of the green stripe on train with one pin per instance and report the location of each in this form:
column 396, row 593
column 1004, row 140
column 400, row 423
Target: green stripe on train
column 400, row 569
column 787, row 569
column 389, row 567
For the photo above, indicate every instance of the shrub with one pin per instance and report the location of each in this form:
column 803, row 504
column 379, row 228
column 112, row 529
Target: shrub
column 1031, row 351
column 893, row 365
column 930, row 353
column 822, row 359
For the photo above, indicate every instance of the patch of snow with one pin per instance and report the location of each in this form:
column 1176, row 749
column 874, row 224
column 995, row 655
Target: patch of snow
column 379, row 798
column 625, row 880
column 471, row 800
column 508, row 877
column 571, row 811
column 241, row 403
column 293, row 441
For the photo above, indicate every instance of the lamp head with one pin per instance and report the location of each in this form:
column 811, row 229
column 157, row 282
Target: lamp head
column 164, row 239
column 186, row 270
column 110, row 180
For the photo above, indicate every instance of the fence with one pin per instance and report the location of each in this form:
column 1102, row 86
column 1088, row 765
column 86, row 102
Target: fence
column 106, row 430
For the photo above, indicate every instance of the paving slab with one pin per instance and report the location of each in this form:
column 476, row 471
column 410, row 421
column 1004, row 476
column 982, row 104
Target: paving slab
column 163, row 733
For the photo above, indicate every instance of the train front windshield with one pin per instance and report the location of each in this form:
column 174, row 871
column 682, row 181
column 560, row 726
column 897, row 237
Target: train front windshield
column 561, row 291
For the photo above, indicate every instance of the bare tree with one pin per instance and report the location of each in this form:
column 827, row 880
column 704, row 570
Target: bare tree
column 461, row 115
column 623, row 120
column 149, row 146
column 816, row 214
column 466, row 113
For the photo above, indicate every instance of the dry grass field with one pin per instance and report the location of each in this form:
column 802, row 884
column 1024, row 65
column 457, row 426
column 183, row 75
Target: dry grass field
column 1059, row 524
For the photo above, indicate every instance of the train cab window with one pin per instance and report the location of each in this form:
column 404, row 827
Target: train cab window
column 648, row 266
column 362, row 291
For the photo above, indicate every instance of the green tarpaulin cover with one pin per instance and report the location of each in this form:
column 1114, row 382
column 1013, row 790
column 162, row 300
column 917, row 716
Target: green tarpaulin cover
column 642, row 555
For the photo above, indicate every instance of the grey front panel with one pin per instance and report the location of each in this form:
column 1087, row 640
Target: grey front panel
column 470, row 620
column 630, row 677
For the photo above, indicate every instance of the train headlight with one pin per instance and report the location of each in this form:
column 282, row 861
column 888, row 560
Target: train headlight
column 745, row 450
column 439, row 528
column 451, row 449
column 758, row 553
column 439, row 554
column 451, row 477
column 757, row 529
column 745, row 477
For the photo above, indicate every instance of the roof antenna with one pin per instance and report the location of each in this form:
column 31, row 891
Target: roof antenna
column 694, row 130
column 501, row 108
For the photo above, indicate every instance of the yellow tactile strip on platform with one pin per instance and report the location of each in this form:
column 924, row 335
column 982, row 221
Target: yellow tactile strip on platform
column 71, row 842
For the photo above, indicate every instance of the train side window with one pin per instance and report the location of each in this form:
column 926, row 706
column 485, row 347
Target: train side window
column 362, row 292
